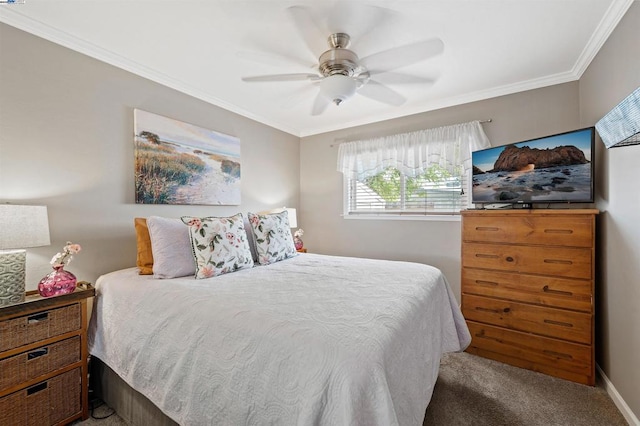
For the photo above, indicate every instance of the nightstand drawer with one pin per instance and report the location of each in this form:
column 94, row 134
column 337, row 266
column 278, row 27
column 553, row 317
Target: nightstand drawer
column 551, row 322
column 39, row 326
column 522, row 349
column 45, row 403
column 562, row 293
column 530, row 230
column 553, row 261
column 32, row 364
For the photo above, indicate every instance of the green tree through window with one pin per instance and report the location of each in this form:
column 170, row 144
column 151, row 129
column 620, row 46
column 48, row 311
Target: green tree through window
column 437, row 189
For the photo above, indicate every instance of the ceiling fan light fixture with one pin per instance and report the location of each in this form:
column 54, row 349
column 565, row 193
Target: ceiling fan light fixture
column 338, row 88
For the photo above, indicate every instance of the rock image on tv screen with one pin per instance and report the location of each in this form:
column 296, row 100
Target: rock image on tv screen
column 552, row 169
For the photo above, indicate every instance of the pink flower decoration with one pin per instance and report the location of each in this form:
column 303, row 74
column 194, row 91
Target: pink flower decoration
column 74, row 248
column 207, row 271
column 62, row 259
column 196, row 223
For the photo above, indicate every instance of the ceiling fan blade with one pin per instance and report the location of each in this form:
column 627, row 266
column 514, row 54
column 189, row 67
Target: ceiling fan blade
column 293, row 98
column 274, row 59
column 320, row 104
column 401, row 78
column 280, row 77
column 307, row 25
column 402, row 56
column 381, row 93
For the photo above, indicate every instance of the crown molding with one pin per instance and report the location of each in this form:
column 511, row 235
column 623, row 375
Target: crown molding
column 481, row 95
column 607, row 25
column 40, row 29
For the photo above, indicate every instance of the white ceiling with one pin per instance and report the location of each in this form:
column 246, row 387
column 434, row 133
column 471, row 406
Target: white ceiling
column 203, row 48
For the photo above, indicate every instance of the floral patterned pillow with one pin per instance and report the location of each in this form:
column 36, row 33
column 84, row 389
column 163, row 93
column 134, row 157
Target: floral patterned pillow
column 219, row 245
column 272, row 236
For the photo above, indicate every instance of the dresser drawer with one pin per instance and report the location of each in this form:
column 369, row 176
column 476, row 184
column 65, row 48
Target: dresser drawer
column 45, row 403
column 554, row 261
column 531, row 230
column 551, row 322
column 547, row 291
column 42, row 325
column 531, row 349
column 29, row 365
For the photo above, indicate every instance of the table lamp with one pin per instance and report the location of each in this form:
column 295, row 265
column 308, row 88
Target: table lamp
column 20, row 227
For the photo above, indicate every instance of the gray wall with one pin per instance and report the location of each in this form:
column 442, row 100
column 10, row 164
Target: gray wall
column 612, row 75
column 515, row 117
column 66, row 140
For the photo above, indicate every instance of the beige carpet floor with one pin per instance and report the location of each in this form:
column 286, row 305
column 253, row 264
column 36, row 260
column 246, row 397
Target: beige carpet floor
column 475, row 391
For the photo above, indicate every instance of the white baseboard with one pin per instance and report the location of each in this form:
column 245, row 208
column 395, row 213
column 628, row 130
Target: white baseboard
column 617, row 399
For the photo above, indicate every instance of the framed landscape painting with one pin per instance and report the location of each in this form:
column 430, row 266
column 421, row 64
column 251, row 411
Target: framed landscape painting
column 179, row 163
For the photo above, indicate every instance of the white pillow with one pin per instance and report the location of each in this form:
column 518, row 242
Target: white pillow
column 219, row 245
column 171, row 248
column 272, row 237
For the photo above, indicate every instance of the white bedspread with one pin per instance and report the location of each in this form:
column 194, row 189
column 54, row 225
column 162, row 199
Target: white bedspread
column 312, row 340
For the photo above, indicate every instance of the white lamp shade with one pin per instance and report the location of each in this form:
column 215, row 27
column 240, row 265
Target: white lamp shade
column 338, row 88
column 293, row 217
column 23, row 226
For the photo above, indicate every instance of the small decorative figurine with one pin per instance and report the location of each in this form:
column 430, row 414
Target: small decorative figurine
column 296, row 239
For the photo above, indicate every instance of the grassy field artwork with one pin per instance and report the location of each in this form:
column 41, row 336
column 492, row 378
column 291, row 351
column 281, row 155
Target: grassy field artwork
column 179, row 163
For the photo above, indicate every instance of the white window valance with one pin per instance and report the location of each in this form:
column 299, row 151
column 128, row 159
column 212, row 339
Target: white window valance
column 414, row 152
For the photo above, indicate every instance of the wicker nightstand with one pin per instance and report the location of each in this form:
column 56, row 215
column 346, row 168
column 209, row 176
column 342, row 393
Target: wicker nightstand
column 43, row 359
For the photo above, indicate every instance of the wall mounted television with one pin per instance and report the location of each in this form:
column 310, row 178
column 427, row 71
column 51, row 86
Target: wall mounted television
column 552, row 169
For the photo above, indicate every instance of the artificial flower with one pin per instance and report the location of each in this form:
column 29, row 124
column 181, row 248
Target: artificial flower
column 62, row 259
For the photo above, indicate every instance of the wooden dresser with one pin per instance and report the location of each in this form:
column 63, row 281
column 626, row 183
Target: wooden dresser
column 43, row 359
column 528, row 289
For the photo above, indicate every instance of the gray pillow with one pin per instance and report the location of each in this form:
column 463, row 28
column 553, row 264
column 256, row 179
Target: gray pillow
column 171, row 248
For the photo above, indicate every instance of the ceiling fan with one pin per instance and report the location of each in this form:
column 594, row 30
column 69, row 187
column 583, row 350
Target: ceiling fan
column 341, row 74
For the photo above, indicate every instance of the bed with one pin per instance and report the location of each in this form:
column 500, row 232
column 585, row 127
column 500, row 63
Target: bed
column 311, row 340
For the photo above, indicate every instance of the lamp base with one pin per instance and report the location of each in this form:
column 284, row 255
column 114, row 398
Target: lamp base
column 12, row 276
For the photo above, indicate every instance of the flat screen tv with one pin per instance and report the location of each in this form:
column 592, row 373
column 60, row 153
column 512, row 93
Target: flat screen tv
column 552, row 169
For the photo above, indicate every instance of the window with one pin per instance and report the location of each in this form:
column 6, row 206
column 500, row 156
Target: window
column 418, row 173
column 391, row 192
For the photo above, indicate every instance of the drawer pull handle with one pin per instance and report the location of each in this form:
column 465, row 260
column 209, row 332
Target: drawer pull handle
column 487, row 256
column 560, row 323
column 509, row 259
column 558, row 261
column 42, row 316
column 37, row 388
column 493, row 311
column 558, row 231
column 546, row 289
column 484, row 336
column 557, row 354
column 486, row 282
column 487, row 228
column 37, row 353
